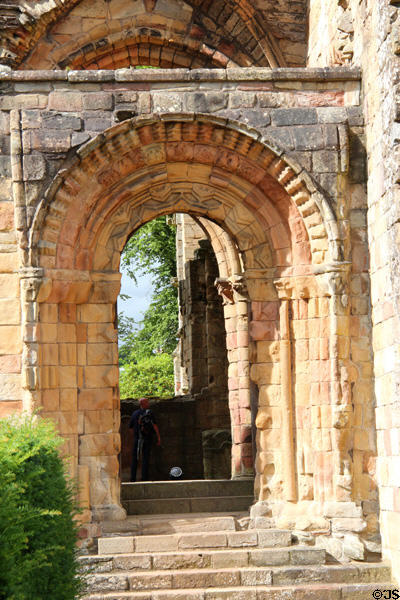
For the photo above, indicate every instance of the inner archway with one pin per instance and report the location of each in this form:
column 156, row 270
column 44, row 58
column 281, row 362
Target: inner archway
column 211, row 170
column 180, row 362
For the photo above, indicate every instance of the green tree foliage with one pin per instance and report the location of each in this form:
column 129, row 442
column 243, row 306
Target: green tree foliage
column 37, row 508
column 147, row 346
column 151, row 376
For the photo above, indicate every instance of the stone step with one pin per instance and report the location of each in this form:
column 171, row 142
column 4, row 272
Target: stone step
column 218, row 540
column 197, row 488
column 317, row 591
column 167, row 524
column 151, row 581
column 298, row 555
column 188, row 505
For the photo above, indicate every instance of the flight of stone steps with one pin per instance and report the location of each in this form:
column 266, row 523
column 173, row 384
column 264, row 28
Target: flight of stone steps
column 194, row 496
column 209, row 557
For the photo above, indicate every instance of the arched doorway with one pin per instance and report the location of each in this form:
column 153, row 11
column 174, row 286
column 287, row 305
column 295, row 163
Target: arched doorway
column 283, row 297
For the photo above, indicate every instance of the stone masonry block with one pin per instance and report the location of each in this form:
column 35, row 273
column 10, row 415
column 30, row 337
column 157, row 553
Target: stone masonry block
column 95, row 399
column 256, row 577
column 203, row 540
column 221, row 559
column 65, row 101
column 308, row 137
column 325, row 161
column 166, row 102
column 34, row 167
column 242, row 100
column 97, row 124
column 98, row 101
column 100, row 354
column 221, row 594
column 4, row 123
column 56, row 120
column 10, row 339
column 342, row 509
column 6, row 216
column 50, row 140
column 241, row 539
column 156, row 543
column 95, row 313
column 101, row 376
column 271, row 538
column 281, row 136
column 294, row 116
column 207, row 102
column 116, row 545
column 329, row 114
column 100, row 444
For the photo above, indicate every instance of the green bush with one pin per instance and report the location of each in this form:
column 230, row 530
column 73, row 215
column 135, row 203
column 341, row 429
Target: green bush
column 150, row 376
column 37, row 529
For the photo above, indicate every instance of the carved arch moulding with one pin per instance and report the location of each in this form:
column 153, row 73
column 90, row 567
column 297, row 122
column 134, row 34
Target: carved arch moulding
column 194, row 33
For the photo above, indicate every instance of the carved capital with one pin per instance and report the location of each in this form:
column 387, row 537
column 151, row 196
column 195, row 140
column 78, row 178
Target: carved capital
column 285, row 288
column 291, row 288
column 225, row 290
column 239, row 287
column 333, row 281
column 233, row 289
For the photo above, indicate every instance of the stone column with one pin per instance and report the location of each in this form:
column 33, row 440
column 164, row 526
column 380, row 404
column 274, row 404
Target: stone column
column 30, row 280
column 335, row 283
column 235, row 300
column 287, row 432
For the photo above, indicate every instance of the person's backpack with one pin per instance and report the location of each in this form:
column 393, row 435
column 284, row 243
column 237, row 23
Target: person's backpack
column 146, row 427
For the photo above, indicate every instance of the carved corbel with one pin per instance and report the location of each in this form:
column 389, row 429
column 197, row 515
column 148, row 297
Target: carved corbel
column 239, row 286
column 284, row 288
column 225, row 290
column 232, row 289
column 31, row 281
column 334, row 283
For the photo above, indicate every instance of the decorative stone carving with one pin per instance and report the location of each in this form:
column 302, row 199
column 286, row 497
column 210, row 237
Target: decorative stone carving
column 225, row 290
column 343, row 48
column 232, row 289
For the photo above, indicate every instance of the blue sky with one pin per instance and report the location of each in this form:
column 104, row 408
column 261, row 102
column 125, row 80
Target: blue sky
column 140, row 296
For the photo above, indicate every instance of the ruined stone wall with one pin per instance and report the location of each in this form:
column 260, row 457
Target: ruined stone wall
column 376, row 46
column 201, row 354
column 334, row 37
column 380, row 24
column 180, row 435
column 188, row 235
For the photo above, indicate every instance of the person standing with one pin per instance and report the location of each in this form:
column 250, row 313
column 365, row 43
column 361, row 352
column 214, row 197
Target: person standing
column 144, row 429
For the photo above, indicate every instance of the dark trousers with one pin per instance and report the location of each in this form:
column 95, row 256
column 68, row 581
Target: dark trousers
column 146, row 448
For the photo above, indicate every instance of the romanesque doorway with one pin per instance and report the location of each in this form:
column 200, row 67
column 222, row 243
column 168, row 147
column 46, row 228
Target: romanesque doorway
column 200, row 166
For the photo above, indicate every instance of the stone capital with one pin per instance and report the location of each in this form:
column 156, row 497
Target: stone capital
column 232, row 289
column 333, row 281
column 225, row 290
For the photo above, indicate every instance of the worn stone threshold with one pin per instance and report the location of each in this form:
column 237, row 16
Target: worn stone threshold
column 176, row 523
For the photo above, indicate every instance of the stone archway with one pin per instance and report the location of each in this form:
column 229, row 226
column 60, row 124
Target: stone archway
column 82, row 34
column 290, row 294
